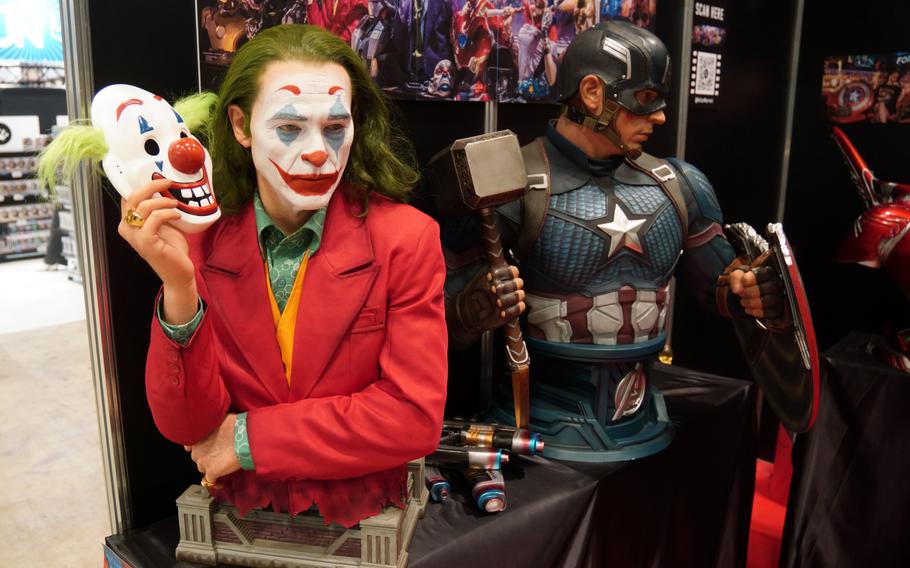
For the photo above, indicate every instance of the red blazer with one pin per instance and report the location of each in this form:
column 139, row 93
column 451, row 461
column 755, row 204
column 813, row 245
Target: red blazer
column 369, row 370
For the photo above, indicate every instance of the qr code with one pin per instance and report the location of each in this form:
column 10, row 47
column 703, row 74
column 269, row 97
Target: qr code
column 706, row 73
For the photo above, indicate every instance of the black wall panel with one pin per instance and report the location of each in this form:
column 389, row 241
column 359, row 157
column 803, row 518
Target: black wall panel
column 151, row 45
column 738, row 143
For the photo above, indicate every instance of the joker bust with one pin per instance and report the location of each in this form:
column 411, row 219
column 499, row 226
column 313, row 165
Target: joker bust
column 298, row 346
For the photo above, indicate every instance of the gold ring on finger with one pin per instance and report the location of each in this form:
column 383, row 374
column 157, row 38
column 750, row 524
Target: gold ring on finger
column 208, row 484
column 133, row 218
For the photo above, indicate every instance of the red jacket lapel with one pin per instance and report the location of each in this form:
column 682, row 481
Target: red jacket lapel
column 335, row 287
column 234, row 273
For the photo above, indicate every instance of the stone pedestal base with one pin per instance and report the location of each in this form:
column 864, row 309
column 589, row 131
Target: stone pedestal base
column 212, row 533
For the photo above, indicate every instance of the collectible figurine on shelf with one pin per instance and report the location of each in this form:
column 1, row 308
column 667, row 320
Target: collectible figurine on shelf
column 599, row 230
column 879, row 238
column 138, row 137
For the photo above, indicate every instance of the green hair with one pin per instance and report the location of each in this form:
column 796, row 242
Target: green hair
column 196, row 111
column 81, row 141
column 61, row 158
column 381, row 159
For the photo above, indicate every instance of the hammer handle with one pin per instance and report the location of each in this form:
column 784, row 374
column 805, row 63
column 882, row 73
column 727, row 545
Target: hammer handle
column 515, row 344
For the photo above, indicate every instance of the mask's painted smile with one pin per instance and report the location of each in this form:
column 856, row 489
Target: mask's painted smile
column 194, row 198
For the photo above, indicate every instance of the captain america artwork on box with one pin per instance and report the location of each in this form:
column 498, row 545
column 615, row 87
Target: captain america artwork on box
column 460, row 50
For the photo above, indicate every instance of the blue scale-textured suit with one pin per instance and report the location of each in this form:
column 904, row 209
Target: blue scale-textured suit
column 578, row 359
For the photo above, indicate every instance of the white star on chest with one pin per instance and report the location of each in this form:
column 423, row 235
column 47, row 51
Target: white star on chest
column 623, row 231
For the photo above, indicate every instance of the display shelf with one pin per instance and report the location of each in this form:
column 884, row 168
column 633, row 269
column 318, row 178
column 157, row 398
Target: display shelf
column 27, row 225
column 69, row 247
column 26, row 216
column 22, row 255
column 11, row 214
column 18, row 191
column 18, row 167
column 64, row 198
column 72, row 270
column 24, row 241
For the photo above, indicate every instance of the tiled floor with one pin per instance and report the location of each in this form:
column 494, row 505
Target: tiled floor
column 32, row 297
column 53, row 508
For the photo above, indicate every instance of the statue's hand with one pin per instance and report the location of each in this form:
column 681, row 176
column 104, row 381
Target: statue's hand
column 490, row 301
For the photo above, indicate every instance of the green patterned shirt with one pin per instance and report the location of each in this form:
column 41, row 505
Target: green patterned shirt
column 283, row 254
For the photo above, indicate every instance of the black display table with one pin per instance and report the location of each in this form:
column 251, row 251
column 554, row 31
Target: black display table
column 850, row 495
column 687, row 506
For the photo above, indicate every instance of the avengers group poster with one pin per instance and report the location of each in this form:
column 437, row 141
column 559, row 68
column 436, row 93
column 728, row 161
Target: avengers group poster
column 465, row 50
column 867, row 88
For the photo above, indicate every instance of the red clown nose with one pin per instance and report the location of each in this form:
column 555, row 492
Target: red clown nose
column 186, row 155
column 316, row 158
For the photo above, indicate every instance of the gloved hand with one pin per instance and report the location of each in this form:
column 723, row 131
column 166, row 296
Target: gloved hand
column 760, row 290
column 489, row 301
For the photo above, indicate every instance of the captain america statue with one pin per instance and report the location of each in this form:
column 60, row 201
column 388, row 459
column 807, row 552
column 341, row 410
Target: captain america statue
column 598, row 243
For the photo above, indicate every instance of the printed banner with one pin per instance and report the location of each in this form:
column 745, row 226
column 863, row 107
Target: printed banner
column 467, row 50
column 30, row 31
column 867, row 88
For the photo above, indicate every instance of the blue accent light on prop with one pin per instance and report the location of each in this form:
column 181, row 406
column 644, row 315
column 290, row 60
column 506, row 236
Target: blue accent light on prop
column 489, row 496
column 536, row 444
column 160, row 165
column 144, row 125
column 439, row 491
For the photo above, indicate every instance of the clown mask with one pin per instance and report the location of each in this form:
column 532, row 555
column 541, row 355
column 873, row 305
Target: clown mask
column 148, row 140
column 301, row 132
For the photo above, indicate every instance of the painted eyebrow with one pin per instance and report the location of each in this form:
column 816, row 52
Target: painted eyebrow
column 125, row 104
column 339, row 116
column 291, row 88
column 285, row 115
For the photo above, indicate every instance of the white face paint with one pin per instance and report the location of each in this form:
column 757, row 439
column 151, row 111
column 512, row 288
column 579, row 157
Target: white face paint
column 148, row 140
column 301, row 132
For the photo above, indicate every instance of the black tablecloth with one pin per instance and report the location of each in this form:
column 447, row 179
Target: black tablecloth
column 687, row 506
column 850, row 495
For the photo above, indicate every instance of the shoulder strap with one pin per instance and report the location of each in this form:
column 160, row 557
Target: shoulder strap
column 536, row 200
column 660, row 171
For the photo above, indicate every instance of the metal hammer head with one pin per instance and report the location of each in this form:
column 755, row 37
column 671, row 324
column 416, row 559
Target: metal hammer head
column 489, row 169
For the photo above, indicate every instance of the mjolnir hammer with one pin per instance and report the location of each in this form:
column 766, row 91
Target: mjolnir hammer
column 490, row 171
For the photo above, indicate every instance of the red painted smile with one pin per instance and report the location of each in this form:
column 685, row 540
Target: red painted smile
column 194, row 198
column 308, row 185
